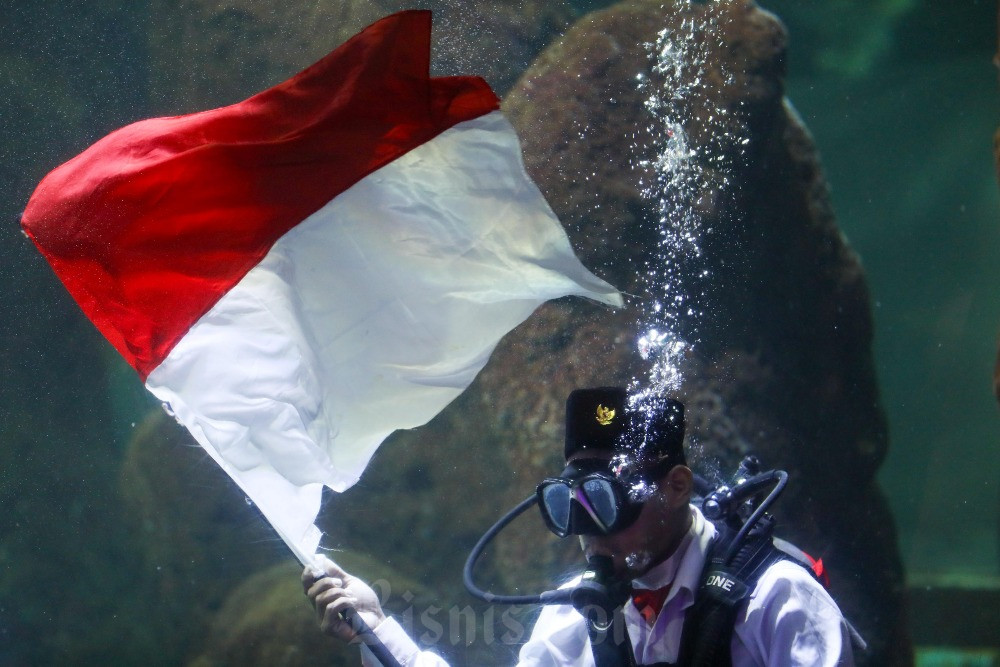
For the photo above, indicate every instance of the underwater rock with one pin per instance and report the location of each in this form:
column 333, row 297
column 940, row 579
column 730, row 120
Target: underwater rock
column 199, row 539
column 205, row 53
column 425, row 499
column 197, row 535
column 781, row 363
column 266, row 620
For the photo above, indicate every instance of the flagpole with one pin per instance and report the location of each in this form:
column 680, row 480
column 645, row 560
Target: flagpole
column 369, row 638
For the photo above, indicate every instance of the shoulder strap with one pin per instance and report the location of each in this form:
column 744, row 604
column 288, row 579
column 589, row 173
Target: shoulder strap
column 709, row 622
column 610, row 643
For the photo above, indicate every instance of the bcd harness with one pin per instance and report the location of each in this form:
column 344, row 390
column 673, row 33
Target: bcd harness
column 707, row 633
column 709, row 622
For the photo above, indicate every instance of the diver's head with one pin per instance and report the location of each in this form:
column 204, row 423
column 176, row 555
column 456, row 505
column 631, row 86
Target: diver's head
column 625, row 488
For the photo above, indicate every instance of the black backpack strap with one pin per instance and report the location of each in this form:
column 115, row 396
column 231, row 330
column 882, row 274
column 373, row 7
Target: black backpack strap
column 610, row 643
column 709, row 622
column 707, row 636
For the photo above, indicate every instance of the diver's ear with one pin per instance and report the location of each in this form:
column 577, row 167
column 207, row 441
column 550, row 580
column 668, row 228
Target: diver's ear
column 678, row 485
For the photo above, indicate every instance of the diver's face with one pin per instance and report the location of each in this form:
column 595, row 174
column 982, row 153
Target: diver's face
column 664, row 519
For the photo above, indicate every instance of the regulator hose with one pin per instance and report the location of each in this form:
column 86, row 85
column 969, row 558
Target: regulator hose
column 562, row 596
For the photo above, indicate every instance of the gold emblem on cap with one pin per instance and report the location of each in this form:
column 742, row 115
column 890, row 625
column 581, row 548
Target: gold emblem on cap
column 604, row 415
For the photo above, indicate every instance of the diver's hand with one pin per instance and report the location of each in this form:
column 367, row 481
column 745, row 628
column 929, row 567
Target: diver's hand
column 336, row 591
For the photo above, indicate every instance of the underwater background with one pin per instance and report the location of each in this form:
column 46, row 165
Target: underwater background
column 120, row 543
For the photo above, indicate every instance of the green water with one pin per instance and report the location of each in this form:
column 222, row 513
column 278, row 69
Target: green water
column 908, row 156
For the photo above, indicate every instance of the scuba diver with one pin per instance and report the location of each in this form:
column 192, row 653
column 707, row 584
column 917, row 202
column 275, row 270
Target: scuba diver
column 664, row 584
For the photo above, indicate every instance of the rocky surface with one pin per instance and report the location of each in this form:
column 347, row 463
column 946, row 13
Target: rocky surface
column 267, row 620
column 197, row 537
column 204, row 552
column 783, row 363
column 206, row 53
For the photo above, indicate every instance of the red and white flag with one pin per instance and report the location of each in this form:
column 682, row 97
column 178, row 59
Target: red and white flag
column 298, row 275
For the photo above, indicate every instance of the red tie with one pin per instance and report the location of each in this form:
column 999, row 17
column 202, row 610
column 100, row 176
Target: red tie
column 650, row 602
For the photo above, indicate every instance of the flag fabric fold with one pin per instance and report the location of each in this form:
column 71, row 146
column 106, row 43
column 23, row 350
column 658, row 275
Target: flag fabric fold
column 300, row 274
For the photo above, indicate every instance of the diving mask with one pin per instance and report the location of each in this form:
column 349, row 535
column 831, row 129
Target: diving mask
column 586, row 499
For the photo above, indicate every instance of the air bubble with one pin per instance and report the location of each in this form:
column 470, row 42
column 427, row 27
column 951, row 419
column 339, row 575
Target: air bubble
column 679, row 179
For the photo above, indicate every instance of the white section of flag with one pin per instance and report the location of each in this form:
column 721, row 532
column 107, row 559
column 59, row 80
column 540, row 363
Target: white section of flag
column 369, row 316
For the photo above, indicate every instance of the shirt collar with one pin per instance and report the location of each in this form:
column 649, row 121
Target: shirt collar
column 683, row 568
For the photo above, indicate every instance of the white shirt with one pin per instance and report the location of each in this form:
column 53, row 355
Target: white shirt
column 789, row 620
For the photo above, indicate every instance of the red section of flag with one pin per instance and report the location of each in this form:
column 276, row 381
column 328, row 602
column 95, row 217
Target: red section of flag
column 151, row 225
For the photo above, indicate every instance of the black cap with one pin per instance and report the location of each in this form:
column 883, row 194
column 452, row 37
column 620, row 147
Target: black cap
column 601, row 420
column 596, row 419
